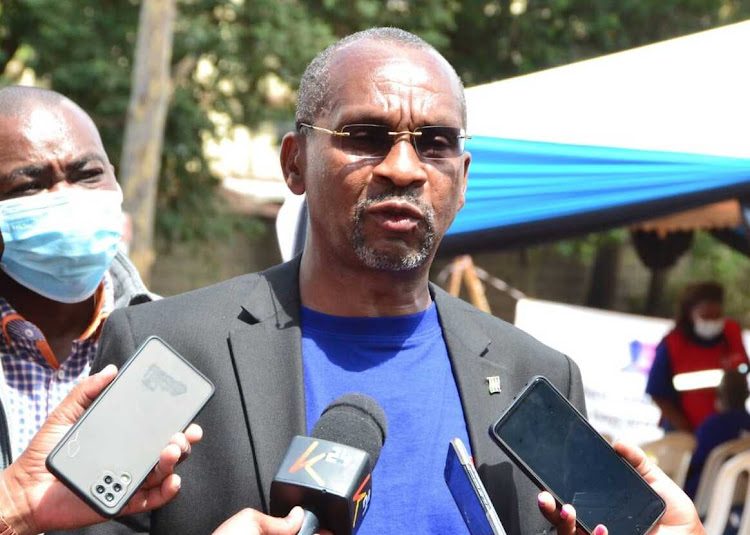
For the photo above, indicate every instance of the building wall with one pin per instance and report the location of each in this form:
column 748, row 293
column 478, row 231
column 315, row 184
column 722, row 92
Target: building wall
column 184, row 267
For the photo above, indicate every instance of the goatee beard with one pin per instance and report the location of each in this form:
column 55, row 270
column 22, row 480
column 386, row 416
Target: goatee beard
column 394, row 261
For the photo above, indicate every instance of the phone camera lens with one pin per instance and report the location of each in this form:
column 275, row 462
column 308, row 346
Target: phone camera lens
column 109, row 497
column 117, row 487
column 108, row 479
column 100, row 488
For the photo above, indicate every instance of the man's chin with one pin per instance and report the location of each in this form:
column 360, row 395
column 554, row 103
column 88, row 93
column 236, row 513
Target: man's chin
column 392, row 259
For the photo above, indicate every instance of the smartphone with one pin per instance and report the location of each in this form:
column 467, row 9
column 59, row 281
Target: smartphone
column 469, row 493
column 559, row 450
column 108, row 453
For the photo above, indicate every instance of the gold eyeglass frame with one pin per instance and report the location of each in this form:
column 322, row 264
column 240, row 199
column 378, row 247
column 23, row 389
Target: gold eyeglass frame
column 338, row 133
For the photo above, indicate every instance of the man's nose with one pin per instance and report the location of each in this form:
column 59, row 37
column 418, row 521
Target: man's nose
column 401, row 165
column 60, row 184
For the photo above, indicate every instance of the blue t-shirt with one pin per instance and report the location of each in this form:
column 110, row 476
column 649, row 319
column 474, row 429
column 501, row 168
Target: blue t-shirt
column 402, row 362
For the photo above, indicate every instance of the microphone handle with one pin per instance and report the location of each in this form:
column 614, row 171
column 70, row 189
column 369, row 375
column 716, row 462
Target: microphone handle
column 310, row 524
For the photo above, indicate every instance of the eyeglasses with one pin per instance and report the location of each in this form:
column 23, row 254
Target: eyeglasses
column 375, row 141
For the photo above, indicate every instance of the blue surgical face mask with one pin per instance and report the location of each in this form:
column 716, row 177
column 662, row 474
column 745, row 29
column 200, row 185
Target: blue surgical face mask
column 60, row 244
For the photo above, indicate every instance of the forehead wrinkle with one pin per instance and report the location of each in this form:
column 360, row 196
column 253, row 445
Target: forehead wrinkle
column 398, row 92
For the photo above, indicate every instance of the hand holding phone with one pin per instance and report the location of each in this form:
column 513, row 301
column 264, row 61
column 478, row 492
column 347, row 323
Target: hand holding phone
column 109, row 452
column 680, row 516
column 559, row 450
column 35, row 501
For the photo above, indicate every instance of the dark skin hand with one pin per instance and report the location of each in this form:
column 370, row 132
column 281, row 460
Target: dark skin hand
column 252, row 522
column 47, row 149
column 34, row 501
column 680, row 516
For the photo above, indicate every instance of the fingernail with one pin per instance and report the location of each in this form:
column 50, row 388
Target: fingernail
column 178, row 481
column 540, row 500
column 564, row 514
column 109, row 368
column 599, row 530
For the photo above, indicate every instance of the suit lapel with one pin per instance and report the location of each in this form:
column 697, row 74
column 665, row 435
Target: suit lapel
column 267, row 357
column 468, row 348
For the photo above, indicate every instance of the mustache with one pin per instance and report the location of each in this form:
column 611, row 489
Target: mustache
column 409, row 196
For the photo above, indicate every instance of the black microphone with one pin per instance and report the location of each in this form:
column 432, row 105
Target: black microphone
column 329, row 473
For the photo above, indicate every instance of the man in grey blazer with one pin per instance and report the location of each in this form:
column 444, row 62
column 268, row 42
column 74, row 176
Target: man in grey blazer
column 380, row 199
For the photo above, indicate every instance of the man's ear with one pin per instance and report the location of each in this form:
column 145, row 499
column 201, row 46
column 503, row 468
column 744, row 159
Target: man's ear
column 464, row 178
column 291, row 162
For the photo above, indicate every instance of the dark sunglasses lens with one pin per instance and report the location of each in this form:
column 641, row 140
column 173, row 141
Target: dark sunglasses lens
column 439, row 142
column 365, row 140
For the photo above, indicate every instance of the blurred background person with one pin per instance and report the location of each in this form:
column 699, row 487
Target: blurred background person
column 703, row 340
column 729, row 423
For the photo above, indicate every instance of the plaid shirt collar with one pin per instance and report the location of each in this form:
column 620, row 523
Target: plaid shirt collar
column 17, row 331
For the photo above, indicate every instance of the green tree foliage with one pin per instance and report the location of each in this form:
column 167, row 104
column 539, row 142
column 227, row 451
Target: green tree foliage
column 84, row 49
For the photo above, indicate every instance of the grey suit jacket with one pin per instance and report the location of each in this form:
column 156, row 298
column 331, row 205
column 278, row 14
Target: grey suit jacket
column 244, row 334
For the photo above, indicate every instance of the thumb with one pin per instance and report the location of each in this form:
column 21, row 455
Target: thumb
column 74, row 405
column 638, row 459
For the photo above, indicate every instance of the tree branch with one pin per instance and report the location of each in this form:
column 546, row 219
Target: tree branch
column 8, row 46
column 183, row 70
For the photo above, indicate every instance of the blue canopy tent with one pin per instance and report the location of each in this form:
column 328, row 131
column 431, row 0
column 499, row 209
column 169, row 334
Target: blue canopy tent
column 522, row 192
column 607, row 142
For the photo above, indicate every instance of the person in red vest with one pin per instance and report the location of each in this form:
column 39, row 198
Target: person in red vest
column 692, row 356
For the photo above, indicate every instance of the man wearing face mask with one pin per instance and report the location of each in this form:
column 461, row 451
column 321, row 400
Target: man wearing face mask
column 703, row 340
column 60, row 273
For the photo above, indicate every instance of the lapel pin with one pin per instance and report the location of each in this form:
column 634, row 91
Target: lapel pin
column 493, row 384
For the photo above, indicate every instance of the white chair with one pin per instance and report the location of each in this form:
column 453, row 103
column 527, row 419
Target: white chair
column 722, row 496
column 718, row 456
column 672, row 454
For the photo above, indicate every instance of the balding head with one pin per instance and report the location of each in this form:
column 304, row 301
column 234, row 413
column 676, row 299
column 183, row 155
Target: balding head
column 315, row 86
column 47, row 142
column 16, row 100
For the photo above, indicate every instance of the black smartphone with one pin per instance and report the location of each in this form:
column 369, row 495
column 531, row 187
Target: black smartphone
column 108, row 453
column 559, row 450
column 469, row 493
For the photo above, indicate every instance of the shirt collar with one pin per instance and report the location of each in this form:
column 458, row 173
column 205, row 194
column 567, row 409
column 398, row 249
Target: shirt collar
column 104, row 299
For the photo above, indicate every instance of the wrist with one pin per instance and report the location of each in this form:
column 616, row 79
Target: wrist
column 14, row 505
